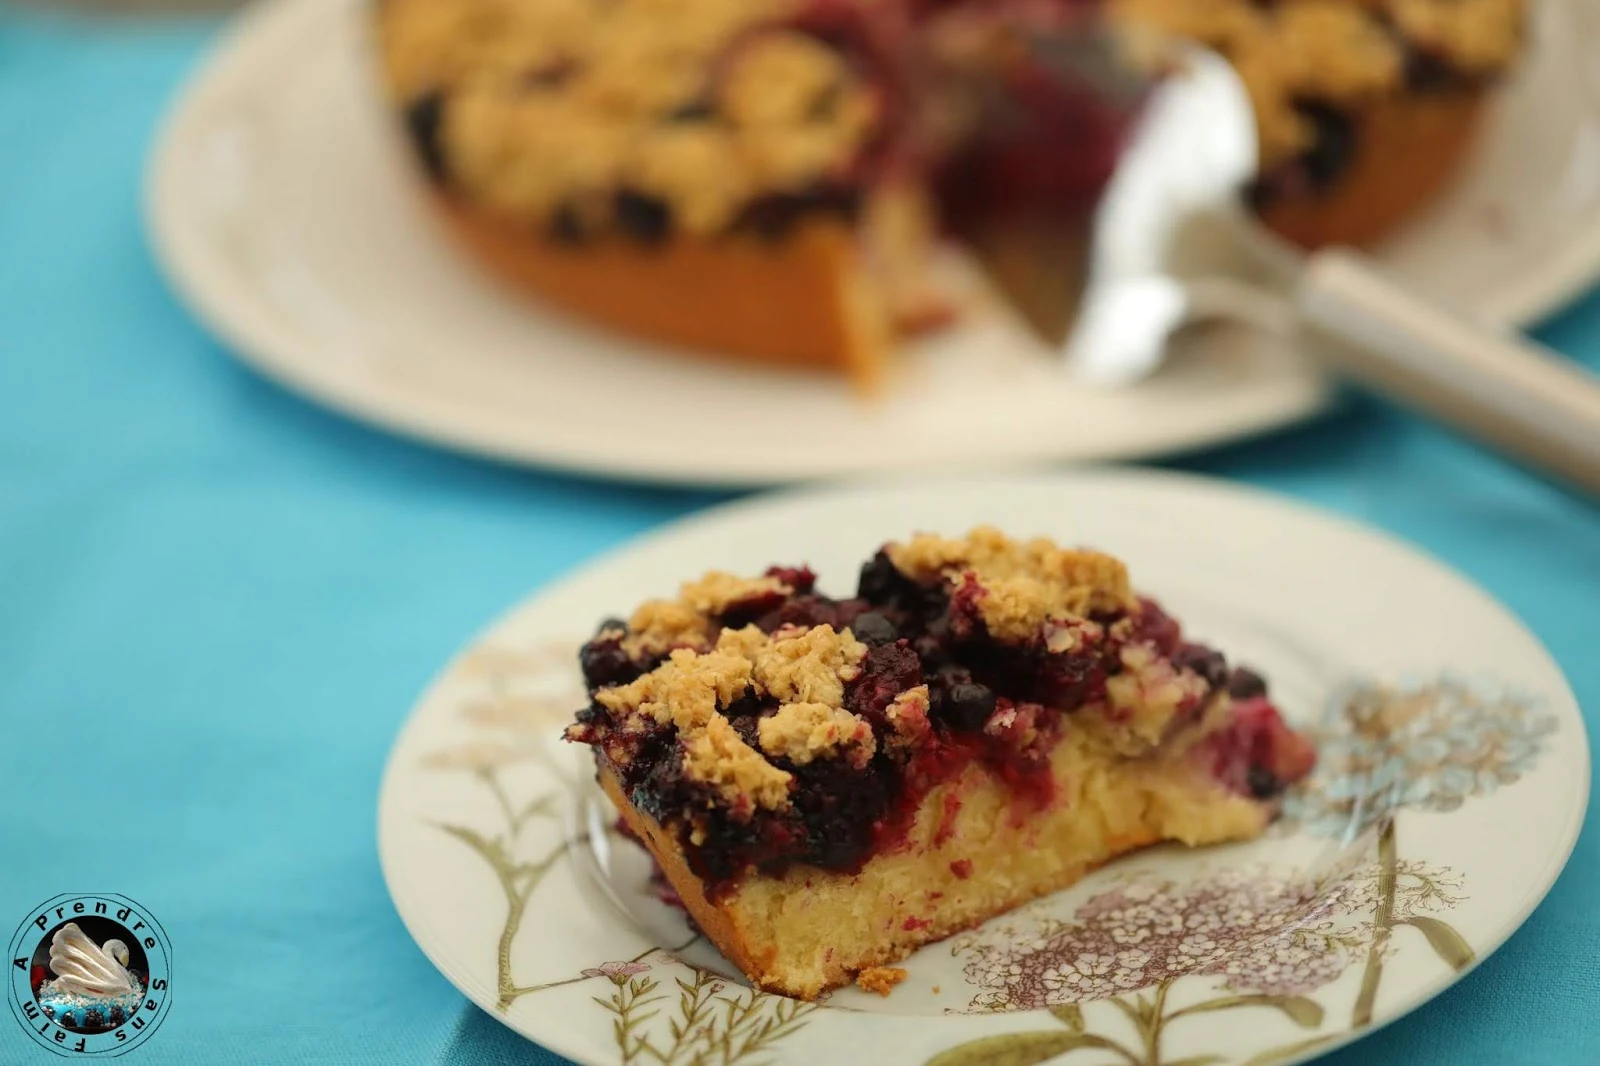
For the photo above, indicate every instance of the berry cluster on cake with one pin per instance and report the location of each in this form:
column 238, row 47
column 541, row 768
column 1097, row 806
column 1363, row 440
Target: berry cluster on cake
column 828, row 784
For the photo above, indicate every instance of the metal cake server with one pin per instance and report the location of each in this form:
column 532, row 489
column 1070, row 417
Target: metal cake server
column 1177, row 188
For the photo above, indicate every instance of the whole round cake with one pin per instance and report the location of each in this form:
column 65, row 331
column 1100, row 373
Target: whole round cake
column 772, row 178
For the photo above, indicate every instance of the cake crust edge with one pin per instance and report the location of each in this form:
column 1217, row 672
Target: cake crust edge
column 802, row 302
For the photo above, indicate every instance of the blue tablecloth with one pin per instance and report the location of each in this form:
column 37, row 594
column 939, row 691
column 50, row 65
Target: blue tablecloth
column 217, row 602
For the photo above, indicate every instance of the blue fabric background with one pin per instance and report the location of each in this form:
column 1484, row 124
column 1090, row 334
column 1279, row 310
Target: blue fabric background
column 217, row 603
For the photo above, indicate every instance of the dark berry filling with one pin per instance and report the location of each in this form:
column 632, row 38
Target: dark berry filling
column 424, row 120
column 644, row 218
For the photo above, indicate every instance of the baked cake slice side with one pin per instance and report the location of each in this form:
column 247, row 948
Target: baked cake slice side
column 830, row 784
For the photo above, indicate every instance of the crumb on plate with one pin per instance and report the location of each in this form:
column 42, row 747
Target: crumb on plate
column 880, row 979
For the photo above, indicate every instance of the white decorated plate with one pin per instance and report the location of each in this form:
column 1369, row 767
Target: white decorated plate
column 1453, row 778
column 283, row 211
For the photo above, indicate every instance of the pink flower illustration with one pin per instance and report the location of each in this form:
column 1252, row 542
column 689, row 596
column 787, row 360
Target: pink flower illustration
column 1258, row 933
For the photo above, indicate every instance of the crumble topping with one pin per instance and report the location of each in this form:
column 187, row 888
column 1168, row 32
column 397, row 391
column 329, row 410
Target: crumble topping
column 717, row 756
column 717, row 591
column 1479, row 36
column 1021, row 584
column 550, row 108
column 908, row 717
column 645, row 115
column 1148, row 696
column 685, row 690
column 805, row 670
column 801, row 732
column 810, row 666
column 658, row 626
column 1340, row 52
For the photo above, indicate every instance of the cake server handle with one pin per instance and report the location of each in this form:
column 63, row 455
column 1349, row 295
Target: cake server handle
column 1512, row 393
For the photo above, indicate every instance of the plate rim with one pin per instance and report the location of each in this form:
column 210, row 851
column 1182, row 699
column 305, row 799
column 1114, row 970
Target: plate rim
column 1161, row 480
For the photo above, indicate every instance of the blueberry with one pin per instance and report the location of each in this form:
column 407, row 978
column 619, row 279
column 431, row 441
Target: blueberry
column 880, row 580
column 593, row 715
column 424, row 120
column 1202, row 660
column 1263, row 783
column 931, row 650
column 873, row 629
column 565, row 227
column 605, row 663
column 1429, row 71
column 967, row 705
column 1333, row 144
column 774, row 216
column 644, row 217
column 1246, row 684
column 748, row 705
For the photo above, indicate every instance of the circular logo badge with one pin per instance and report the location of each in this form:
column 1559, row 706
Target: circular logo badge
column 90, row 975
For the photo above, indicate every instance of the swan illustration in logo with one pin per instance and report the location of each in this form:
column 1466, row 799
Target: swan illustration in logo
column 93, row 987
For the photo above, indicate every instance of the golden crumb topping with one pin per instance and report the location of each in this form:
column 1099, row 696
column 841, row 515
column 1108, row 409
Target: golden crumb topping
column 719, row 757
column 801, row 732
column 1147, row 697
column 908, row 716
column 555, row 105
column 658, row 626
column 806, row 670
column 1023, row 584
column 717, row 591
column 685, row 690
column 809, row 666
column 1336, row 51
column 1479, row 36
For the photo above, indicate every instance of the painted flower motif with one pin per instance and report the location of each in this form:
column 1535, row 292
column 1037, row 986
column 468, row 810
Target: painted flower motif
column 1258, row 933
column 1430, row 747
column 616, row 971
column 536, row 660
column 523, row 714
column 480, row 757
column 1419, row 889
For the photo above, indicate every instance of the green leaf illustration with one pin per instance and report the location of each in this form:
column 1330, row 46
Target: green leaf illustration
column 1306, row 1013
column 1284, row 1052
column 492, row 851
column 1069, row 1015
column 1446, row 942
column 1018, row 1049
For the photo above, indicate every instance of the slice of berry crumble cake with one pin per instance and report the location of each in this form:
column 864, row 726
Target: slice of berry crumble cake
column 828, row 784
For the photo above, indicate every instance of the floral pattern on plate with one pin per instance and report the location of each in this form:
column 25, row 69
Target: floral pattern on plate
column 1253, row 939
